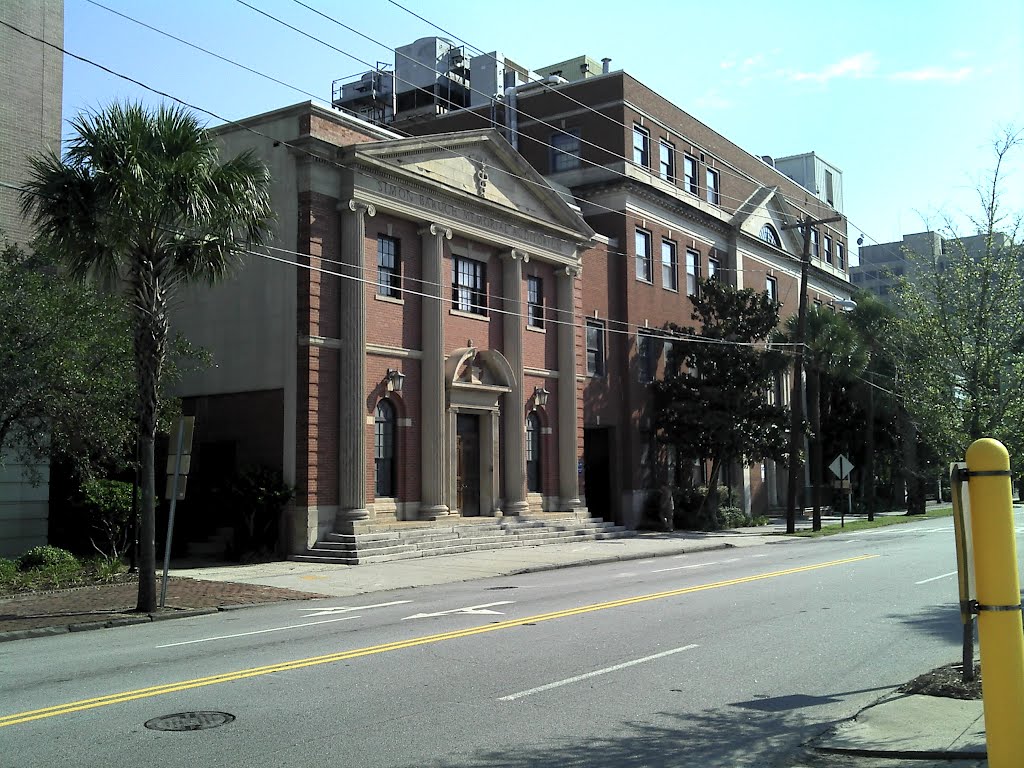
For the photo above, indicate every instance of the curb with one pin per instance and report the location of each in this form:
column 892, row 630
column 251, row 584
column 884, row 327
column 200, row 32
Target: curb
column 614, row 559
column 123, row 620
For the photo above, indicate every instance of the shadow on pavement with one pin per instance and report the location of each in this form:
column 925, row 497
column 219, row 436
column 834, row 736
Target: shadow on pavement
column 801, row 700
column 939, row 621
column 710, row 739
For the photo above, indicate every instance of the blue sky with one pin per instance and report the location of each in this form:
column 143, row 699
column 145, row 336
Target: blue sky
column 905, row 97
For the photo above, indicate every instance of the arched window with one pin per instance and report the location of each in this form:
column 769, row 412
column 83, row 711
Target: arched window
column 384, row 423
column 533, row 478
column 769, row 235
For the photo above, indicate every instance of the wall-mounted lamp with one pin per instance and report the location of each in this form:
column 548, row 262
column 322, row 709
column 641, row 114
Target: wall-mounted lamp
column 540, row 396
column 394, row 378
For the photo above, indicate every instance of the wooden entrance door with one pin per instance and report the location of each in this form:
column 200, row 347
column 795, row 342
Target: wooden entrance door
column 467, row 451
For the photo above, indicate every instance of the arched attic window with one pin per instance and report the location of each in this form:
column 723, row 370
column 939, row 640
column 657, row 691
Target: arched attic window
column 770, row 236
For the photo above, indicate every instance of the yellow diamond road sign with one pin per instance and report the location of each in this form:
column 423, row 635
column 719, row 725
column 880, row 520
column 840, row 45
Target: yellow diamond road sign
column 841, row 467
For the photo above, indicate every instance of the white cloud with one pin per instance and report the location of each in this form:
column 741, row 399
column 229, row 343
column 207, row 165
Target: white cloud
column 931, row 74
column 857, row 66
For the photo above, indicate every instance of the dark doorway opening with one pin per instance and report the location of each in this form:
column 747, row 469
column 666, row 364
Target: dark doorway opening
column 467, row 451
column 597, row 468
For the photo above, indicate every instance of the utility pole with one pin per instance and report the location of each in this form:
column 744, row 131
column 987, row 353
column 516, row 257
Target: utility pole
column 796, row 405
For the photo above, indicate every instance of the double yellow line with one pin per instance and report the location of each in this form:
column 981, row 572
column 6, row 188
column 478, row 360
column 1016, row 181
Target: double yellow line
column 330, row 658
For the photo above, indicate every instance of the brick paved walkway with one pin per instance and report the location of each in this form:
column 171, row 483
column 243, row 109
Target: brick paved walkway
column 112, row 604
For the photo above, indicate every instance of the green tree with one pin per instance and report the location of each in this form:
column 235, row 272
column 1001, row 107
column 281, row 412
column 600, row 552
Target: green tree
column 65, row 366
column 832, row 353
column 958, row 339
column 714, row 402
column 142, row 200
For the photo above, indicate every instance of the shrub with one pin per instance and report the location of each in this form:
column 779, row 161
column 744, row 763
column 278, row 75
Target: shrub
column 105, row 569
column 257, row 497
column 47, row 557
column 8, row 570
column 107, row 505
column 732, row 517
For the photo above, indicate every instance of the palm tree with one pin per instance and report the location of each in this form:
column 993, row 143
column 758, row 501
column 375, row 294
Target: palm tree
column 832, row 349
column 140, row 200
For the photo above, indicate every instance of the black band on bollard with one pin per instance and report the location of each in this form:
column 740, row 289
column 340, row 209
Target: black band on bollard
column 977, row 607
column 988, row 473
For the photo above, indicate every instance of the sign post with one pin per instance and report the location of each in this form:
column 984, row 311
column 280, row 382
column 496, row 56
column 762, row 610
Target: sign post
column 841, row 468
column 181, row 438
column 964, row 561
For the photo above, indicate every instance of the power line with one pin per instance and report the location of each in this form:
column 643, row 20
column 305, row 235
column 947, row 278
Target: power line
column 300, row 90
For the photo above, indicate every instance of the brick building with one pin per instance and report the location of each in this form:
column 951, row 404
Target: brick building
column 678, row 202
column 421, row 361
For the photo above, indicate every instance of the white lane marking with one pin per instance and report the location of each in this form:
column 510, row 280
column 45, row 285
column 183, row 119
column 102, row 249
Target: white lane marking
column 683, row 567
column 625, row 575
column 605, row 671
column 257, row 632
column 348, row 609
column 758, row 555
column 730, row 560
column 936, row 578
column 472, row 610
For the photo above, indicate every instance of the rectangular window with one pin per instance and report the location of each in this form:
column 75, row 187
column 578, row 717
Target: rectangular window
column 667, row 161
column 641, row 147
column 534, row 302
column 389, row 267
column 645, row 358
column 469, row 286
column 841, row 256
column 713, row 192
column 815, row 250
column 565, row 150
column 669, row 266
column 771, row 287
column 690, row 174
column 692, row 272
column 828, row 249
column 671, row 363
column 595, row 348
column 713, row 266
column 644, row 258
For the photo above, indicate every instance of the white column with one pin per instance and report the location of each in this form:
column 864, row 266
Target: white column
column 568, row 480
column 352, row 367
column 432, row 394
column 512, row 411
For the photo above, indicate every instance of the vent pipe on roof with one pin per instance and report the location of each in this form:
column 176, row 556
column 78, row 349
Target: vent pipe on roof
column 605, row 68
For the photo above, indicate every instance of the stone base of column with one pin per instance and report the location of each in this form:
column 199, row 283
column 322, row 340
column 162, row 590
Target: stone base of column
column 434, row 512
column 571, row 505
column 352, row 515
column 515, row 508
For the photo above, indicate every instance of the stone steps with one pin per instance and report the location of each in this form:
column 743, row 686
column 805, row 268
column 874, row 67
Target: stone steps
column 386, row 543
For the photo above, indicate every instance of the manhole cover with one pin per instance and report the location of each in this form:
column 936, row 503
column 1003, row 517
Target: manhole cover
column 189, row 721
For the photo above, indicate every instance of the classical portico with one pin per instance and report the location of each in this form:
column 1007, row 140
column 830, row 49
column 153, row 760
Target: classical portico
column 457, row 430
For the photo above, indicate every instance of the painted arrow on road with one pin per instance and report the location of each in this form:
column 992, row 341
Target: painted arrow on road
column 348, row 609
column 473, row 610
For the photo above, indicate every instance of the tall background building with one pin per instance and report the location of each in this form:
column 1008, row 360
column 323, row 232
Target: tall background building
column 31, row 88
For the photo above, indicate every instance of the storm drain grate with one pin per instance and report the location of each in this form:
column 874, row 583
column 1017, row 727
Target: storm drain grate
column 189, row 721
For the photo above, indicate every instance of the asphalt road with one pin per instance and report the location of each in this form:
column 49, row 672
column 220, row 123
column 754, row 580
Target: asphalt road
column 725, row 658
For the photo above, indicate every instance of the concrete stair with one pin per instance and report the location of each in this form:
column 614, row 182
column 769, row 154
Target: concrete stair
column 376, row 543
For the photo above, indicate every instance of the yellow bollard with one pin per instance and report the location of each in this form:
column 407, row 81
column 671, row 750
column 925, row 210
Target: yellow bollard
column 998, row 588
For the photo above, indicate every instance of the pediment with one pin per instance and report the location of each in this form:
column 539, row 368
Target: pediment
column 478, row 166
column 767, row 206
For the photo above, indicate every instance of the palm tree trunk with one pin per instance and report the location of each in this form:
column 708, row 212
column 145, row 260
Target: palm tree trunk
column 150, row 344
